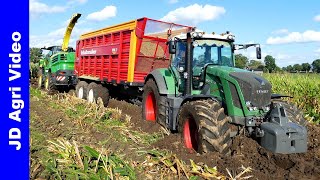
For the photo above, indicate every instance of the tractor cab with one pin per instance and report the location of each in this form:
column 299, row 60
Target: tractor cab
column 52, row 50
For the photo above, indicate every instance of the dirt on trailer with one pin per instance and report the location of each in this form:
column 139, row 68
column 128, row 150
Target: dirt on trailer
column 245, row 152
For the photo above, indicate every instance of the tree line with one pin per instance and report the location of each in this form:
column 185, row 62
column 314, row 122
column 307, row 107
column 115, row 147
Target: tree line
column 269, row 65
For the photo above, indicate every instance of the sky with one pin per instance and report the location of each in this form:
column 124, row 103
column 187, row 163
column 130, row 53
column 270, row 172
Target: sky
column 288, row 30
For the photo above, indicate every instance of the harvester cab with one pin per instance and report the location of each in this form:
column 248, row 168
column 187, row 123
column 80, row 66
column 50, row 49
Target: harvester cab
column 212, row 95
column 57, row 69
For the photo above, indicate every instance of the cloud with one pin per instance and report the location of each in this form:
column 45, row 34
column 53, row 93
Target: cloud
column 37, row 7
column 317, row 18
column 194, row 14
column 104, row 14
column 280, row 31
column 55, row 37
column 173, row 1
column 296, row 37
column 317, row 51
column 78, row 1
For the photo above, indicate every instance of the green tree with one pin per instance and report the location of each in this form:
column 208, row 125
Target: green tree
column 297, row 67
column 35, row 55
column 289, row 68
column 316, row 65
column 306, row 67
column 241, row 61
column 254, row 64
column 270, row 63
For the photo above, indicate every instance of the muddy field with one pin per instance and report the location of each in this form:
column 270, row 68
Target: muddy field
column 245, row 151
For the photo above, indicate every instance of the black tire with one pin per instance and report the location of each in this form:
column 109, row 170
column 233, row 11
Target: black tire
column 81, row 89
column 153, row 105
column 293, row 113
column 98, row 91
column 103, row 93
column 205, row 127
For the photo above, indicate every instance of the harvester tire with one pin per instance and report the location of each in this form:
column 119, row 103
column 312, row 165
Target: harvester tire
column 49, row 85
column 40, row 79
column 293, row 113
column 205, row 127
column 153, row 104
column 81, row 90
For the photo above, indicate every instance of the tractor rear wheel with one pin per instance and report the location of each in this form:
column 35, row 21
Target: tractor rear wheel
column 205, row 126
column 153, row 105
column 293, row 113
column 81, row 90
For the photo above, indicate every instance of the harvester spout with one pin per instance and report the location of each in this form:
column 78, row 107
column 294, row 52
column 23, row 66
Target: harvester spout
column 69, row 29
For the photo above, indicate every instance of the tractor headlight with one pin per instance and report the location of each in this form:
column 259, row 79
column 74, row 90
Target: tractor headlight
column 250, row 106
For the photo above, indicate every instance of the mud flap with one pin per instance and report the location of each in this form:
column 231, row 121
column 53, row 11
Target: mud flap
column 282, row 136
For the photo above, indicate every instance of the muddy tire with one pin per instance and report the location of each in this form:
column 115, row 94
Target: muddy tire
column 153, row 105
column 205, row 127
column 96, row 91
column 81, row 90
column 293, row 113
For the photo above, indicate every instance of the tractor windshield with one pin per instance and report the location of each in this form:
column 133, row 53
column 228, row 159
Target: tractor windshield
column 212, row 52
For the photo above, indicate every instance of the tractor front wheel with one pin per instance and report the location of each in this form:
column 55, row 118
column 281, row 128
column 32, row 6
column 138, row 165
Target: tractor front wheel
column 153, row 105
column 205, row 126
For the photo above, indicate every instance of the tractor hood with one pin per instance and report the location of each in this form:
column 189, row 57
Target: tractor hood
column 255, row 89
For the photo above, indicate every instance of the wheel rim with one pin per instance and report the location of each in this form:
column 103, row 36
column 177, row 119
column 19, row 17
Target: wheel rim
column 80, row 93
column 190, row 134
column 150, row 107
column 47, row 83
column 90, row 96
column 40, row 81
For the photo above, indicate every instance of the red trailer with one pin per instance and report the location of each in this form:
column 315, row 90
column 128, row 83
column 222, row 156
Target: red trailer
column 122, row 55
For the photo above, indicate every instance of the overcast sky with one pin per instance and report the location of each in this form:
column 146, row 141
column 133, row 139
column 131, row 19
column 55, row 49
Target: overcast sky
column 289, row 30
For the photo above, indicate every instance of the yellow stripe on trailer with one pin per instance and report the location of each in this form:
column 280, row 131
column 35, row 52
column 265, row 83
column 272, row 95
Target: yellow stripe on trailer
column 132, row 55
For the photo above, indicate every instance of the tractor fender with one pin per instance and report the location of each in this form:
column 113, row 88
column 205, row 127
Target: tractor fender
column 159, row 79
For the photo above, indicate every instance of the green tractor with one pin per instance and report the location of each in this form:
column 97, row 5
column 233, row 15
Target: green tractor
column 209, row 101
column 56, row 69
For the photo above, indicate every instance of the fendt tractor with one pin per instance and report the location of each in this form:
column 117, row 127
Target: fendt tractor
column 57, row 67
column 187, row 82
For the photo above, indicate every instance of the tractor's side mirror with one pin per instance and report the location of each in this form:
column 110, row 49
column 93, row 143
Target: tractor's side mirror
column 172, row 47
column 258, row 51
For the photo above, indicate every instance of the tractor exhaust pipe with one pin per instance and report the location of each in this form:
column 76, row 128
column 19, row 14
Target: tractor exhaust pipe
column 188, row 66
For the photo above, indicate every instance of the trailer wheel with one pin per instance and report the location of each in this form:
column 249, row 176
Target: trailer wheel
column 153, row 105
column 293, row 113
column 204, row 126
column 103, row 93
column 81, row 90
column 92, row 92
